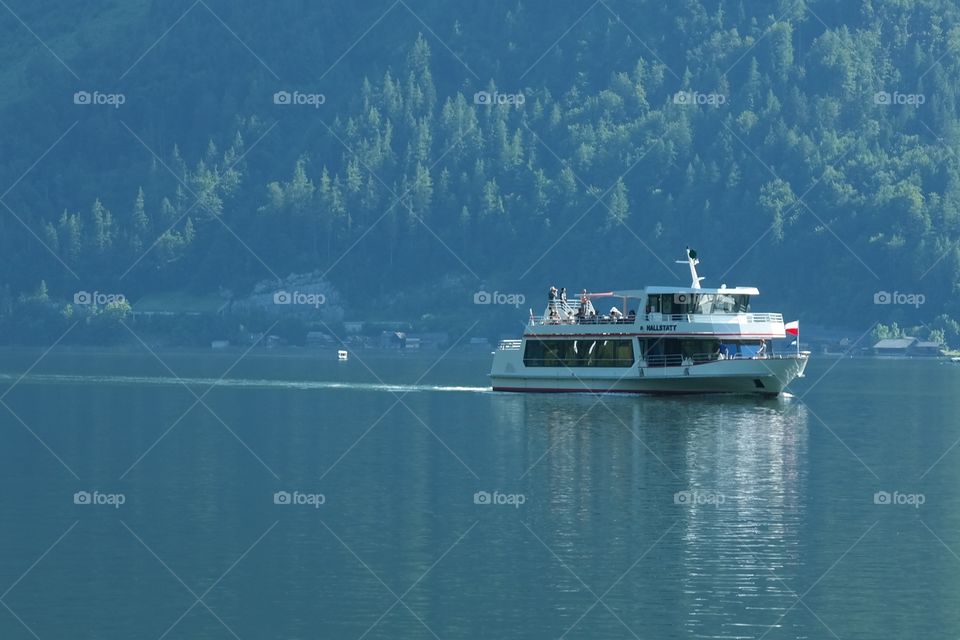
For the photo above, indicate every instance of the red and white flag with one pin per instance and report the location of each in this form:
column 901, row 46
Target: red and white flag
column 793, row 328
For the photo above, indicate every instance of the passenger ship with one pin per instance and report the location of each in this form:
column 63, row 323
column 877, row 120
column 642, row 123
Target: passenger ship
column 684, row 340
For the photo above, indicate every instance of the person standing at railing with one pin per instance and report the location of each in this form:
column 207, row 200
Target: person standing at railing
column 553, row 310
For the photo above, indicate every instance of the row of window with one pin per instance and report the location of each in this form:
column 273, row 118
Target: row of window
column 593, row 352
column 578, row 353
column 683, row 303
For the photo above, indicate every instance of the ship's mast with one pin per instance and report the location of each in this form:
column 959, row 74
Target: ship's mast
column 692, row 262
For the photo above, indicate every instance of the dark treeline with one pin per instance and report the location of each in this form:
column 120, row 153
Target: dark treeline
column 812, row 151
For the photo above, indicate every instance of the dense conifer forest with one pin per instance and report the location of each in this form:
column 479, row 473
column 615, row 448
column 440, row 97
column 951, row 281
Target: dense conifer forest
column 412, row 153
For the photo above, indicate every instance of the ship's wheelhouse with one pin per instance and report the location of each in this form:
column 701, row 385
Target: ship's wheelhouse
column 670, row 302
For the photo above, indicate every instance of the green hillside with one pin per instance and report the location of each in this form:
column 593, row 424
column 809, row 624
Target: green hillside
column 809, row 148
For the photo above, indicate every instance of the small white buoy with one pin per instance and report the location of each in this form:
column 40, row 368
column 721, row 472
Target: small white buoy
column 342, row 355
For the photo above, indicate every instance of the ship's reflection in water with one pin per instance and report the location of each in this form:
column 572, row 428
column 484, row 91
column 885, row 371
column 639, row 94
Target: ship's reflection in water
column 685, row 511
column 741, row 539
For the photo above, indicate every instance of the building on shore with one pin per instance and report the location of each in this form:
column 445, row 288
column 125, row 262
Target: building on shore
column 907, row 347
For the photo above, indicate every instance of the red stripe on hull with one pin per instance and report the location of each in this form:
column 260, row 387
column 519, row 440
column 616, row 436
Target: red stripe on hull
column 634, row 391
column 746, row 336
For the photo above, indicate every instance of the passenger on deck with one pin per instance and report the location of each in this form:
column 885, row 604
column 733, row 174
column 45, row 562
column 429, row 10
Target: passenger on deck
column 632, row 316
column 563, row 296
column 762, row 351
column 615, row 314
column 552, row 300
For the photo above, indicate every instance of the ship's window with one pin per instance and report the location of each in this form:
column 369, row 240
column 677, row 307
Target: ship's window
column 703, row 303
column 751, row 348
column 578, row 353
column 729, row 349
column 684, row 303
column 653, row 304
column 666, row 352
column 746, row 348
column 725, row 303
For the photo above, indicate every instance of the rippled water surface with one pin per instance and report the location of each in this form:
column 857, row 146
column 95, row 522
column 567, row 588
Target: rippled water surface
column 432, row 507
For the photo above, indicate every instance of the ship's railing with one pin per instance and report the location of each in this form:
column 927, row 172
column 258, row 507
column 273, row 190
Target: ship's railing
column 562, row 317
column 509, row 345
column 678, row 360
column 566, row 313
column 713, row 317
column 775, row 318
column 610, row 363
column 538, row 320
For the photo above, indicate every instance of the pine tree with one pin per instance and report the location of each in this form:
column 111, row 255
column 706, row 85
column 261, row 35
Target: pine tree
column 298, row 193
column 619, row 206
column 102, row 228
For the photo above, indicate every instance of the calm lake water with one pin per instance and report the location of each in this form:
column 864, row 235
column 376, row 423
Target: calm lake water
column 396, row 497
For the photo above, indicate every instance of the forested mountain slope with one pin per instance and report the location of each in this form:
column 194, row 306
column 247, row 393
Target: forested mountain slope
column 810, row 148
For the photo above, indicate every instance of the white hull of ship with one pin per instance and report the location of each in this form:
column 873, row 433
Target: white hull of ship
column 765, row 376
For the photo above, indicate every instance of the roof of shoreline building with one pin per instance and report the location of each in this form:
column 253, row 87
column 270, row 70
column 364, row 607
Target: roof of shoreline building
column 895, row 343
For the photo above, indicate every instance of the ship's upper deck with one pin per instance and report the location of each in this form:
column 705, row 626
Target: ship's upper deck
column 693, row 310
column 730, row 291
column 564, row 319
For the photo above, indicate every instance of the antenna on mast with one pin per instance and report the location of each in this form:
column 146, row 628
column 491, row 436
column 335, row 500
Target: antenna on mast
column 693, row 262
